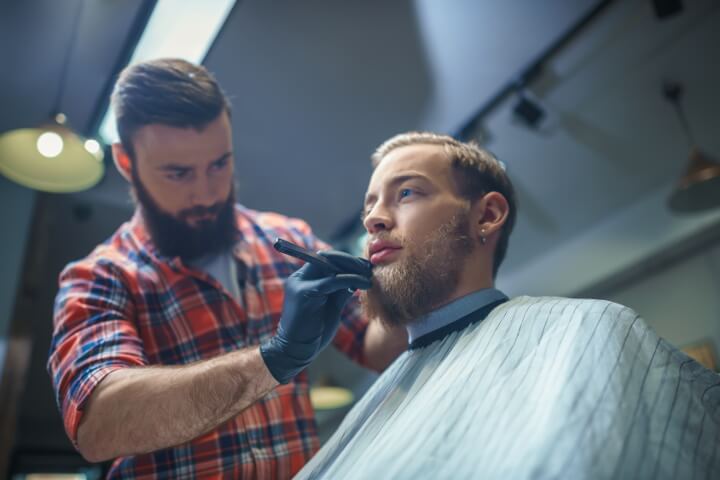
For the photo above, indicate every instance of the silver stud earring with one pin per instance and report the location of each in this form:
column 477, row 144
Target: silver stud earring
column 483, row 240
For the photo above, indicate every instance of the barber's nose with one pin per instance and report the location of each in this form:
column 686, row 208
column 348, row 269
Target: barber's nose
column 378, row 220
column 205, row 192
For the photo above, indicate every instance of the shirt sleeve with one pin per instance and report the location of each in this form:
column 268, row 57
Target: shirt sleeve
column 350, row 337
column 93, row 335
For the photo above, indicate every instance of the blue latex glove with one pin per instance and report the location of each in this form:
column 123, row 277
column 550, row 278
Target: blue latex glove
column 314, row 298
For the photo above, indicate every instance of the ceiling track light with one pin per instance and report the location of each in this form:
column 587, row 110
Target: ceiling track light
column 526, row 110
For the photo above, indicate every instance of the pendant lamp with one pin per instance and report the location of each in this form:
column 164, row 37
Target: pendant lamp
column 325, row 395
column 51, row 157
column 699, row 187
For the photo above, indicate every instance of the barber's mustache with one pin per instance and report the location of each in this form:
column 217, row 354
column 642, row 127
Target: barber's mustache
column 199, row 211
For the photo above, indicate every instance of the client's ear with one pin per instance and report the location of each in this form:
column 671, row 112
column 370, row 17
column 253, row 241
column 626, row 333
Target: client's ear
column 489, row 214
column 122, row 161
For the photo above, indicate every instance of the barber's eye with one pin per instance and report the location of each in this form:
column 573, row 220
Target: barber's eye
column 178, row 174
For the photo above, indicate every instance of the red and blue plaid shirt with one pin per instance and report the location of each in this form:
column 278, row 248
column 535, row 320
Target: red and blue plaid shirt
column 125, row 306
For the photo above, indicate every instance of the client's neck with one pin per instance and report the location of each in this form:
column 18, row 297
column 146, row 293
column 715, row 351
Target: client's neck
column 465, row 307
column 476, row 275
column 462, row 291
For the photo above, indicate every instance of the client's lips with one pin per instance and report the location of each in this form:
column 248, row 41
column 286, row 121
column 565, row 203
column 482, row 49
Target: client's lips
column 383, row 251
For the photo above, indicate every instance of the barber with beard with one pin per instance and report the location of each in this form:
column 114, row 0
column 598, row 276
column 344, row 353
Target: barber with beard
column 179, row 344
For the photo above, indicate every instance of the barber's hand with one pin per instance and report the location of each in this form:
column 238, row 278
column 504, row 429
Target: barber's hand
column 314, row 298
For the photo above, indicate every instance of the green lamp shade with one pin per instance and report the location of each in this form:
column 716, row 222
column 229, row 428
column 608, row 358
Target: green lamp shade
column 51, row 159
column 329, row 398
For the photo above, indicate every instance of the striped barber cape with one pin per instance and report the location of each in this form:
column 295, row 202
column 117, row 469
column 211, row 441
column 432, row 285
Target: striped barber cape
column 543, row 388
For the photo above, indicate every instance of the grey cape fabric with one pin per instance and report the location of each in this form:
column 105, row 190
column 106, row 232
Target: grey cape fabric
column 543, row 388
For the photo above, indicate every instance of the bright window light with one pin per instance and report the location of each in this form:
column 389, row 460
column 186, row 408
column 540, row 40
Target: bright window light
column 177, row 28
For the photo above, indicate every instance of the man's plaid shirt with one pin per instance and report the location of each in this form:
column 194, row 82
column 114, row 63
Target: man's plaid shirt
column 125, row 305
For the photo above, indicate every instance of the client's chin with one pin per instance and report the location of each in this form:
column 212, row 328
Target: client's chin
column 401, row 293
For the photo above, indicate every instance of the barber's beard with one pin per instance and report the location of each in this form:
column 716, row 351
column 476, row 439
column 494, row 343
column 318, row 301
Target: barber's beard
column 173, row 236
column 423, row 279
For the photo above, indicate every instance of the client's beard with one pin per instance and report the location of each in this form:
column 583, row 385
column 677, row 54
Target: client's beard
column 173, row 236
column 424, row 279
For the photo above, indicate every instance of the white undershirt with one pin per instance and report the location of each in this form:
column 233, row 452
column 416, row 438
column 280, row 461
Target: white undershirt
column 222, row 267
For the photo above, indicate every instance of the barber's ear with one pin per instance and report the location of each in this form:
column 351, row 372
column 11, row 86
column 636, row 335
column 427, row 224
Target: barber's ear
column 489, row 214
column 122, row 161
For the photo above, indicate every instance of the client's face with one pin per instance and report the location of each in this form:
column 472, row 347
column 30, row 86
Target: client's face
column 418, row 234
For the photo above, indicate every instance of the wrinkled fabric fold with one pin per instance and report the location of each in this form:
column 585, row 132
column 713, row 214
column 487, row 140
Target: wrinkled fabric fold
column 543, row 388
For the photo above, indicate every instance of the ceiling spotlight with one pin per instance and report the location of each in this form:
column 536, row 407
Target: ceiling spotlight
column 92, row 146
column 50, row 144
column 528, row 111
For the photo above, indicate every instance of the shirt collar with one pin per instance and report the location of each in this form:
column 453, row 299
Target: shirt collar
column 453, row 311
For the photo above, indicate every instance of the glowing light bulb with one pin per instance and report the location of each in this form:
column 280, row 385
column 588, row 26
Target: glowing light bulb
column 50, row 144
column 92, row 146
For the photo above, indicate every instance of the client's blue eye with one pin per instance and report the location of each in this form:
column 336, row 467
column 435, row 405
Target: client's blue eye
column 405, row 192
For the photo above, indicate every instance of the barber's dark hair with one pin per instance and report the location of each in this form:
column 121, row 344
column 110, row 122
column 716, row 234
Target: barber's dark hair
column 167, row 91
column 476, row 172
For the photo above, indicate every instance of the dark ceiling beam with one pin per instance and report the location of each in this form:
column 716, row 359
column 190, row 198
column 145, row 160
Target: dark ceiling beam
column 136, row 30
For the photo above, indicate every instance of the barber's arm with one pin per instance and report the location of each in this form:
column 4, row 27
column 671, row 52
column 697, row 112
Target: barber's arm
column 141, row 409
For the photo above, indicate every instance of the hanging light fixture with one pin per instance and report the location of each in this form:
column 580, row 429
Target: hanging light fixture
column 699, row 188
column 52, row 157
column 325, row 395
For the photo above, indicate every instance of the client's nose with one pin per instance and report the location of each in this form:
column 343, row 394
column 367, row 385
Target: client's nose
column 377, row 220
